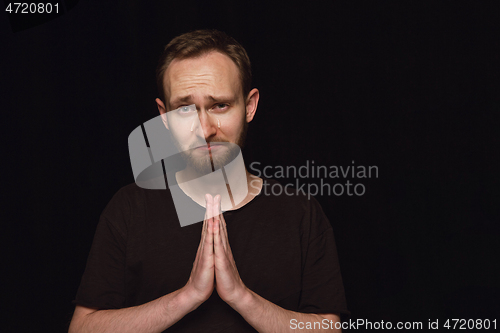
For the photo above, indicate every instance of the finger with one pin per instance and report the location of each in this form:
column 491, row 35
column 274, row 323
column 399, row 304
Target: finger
column 205, row 228
column 215, row 210
column 223, row 228
column 209, row 238
column 225, row 237
column 200, row 245
column 218, row 247
column 223, row 232
column 221, row 260
column 205, row 220
column 216, row 217
column 218, row 242
column 203, row 231
column 209, row 206
column 208, row 246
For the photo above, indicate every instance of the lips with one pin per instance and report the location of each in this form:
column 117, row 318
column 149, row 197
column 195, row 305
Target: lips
column 210, row 146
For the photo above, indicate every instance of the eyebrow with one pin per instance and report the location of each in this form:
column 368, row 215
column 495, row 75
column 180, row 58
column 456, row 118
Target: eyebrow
column 188, row 98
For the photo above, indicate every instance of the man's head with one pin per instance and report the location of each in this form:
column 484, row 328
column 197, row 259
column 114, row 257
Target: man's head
column 197, row 43
column 211, row 71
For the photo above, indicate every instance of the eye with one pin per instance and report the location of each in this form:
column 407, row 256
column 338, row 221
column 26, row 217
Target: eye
column 221, row 107
column 186, row 109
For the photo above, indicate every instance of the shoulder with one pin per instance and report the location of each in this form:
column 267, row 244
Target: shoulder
column 286, row 200
column 126, row 203
column 125, row 197
column 131, row 189
column 288, row 195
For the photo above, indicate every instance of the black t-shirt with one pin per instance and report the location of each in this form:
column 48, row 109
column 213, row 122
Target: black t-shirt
column 283, row 247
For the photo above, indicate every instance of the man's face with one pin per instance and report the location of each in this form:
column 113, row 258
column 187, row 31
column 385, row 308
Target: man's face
column 212, row 83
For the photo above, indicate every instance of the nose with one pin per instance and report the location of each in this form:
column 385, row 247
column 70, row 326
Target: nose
column 208, row 124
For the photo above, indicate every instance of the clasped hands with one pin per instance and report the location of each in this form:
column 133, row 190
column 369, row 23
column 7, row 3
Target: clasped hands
column 214, row 263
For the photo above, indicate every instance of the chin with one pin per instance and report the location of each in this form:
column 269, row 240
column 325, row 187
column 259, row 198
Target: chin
column 203, row 165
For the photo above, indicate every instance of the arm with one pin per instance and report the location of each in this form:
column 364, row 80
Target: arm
column 265, row 316
column 159, row 314
column 155, row 316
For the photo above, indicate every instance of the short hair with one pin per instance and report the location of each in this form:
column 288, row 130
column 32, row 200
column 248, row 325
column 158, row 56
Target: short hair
column 200, row 42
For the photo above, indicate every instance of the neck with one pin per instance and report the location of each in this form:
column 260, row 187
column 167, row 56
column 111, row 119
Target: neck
column 236, row 185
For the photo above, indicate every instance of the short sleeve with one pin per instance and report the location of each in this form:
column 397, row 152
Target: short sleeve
column 103, row 282
column 322, row 287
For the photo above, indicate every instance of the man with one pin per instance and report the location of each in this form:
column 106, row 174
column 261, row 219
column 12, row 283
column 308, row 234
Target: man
column 267, row 264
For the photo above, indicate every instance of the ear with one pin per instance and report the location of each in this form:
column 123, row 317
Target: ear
column 251, row 104
column 163, row 111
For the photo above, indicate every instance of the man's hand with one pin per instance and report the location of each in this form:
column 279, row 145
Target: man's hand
column 229, row 285
column 201, row 282
column 215, row 257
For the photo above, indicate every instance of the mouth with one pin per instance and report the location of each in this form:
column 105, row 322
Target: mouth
column 210, row 146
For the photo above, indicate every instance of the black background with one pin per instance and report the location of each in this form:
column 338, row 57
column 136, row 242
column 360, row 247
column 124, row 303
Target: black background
column 409, row 86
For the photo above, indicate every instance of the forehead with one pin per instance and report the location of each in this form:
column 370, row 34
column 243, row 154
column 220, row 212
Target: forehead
column 210, row 74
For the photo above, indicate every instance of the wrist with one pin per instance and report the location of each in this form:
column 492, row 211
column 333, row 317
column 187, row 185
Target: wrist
column 188, row 299
column 243, row 301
